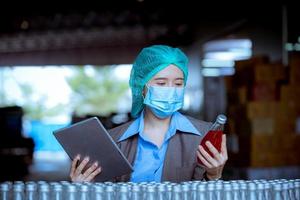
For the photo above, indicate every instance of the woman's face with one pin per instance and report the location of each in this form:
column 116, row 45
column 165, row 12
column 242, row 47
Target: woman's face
column 171, row 76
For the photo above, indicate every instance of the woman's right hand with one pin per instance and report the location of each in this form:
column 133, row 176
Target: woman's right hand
column 78, row 175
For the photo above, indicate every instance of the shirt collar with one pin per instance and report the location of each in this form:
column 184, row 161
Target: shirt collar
column 183, row 124
column 134, row 128
column 178, row 121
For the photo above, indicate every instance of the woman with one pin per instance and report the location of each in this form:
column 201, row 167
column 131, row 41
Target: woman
column 161, row 143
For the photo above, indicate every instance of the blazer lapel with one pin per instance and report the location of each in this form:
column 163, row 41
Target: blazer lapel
column 129, row 147
column 181, row 152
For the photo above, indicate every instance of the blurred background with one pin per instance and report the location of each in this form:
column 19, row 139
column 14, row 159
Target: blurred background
column 60, row 64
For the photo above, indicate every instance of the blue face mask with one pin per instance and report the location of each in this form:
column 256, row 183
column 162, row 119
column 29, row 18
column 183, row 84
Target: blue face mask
column 164, row 101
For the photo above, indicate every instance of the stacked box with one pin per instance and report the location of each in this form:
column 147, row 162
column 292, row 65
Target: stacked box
column 295, row 69
column 264, row 109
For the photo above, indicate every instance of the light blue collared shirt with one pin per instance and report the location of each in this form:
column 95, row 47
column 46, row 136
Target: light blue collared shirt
column 148, row 164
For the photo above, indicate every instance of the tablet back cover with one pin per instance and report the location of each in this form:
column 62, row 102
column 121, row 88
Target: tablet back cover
column 90, row 138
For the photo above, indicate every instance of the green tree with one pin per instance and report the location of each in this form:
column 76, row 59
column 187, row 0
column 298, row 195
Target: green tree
column 34, row 107
column 33, row 103
column 96, row 93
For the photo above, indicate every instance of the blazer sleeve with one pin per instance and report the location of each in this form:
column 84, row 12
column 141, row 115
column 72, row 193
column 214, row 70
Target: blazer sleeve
column 199, row 173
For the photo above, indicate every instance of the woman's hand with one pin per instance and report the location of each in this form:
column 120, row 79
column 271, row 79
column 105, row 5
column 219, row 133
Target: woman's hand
column 78, row 175
column 213, row 165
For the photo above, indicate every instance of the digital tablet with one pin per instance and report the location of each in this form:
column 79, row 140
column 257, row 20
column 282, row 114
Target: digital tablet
column 90, row 138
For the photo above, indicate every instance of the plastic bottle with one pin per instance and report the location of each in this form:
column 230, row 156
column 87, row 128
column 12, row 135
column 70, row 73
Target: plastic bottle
column 5, row 191
column 30, row 191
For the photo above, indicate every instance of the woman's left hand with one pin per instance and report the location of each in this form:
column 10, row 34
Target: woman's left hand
column 213, row 165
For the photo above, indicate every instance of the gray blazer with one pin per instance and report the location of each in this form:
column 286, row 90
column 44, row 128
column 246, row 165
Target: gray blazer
column 180, row 162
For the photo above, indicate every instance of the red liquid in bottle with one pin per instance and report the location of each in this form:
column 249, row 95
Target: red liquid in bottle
column 215, row 137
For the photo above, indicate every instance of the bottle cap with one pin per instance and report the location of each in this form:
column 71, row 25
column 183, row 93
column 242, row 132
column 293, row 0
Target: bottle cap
column 221, row 119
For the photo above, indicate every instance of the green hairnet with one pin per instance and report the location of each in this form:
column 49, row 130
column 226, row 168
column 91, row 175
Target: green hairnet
column 149, row 62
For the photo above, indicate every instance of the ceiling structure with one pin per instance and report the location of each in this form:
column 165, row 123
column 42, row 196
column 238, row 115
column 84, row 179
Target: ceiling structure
column 51, row 33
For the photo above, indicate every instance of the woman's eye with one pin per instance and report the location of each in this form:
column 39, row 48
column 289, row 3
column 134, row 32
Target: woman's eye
column 178, row 84
column 161, row 83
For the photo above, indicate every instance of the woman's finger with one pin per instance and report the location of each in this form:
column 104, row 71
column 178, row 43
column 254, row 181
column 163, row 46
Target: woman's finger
column 206, row 155
column 224, row 147
column 93, row 174
column 74, row 164
column 205, row 163
column 81, row 166
column 90, row 169
column 215, row 152
column 79, row 178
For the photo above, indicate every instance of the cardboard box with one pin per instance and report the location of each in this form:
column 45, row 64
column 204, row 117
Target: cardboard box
column 242, row 64
column 269, row 73
column 284, row 125
column 277, row 159
column 261, row 143
column 260, row 151
column 261, row 109
column 237, row 96
column 290, row 145
column 295, row 69
column 269, row 151
column 244, row 70
column 242, row 95
column 290, row 93
column 263, row 92
column 237, row 111
column 263, row 126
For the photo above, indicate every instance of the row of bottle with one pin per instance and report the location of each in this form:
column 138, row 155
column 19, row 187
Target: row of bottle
column 193, row 190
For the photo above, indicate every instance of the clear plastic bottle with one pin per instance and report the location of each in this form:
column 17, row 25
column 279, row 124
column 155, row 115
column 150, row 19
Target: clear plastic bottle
column 56, row 191
column 227, row 191
column 109, row 192
column 151, row 192
column 30, row 191
column 177, row 192
column 169, row 189
column 260, row 191
column 5, row 193
column 123, row 193
column 71, row 192
column 267, row 190
column 285, row 190
column 252, row 195
column 186, row 192
column 44, row 191
column 201, row 191
column 98, row 192
column 236, row 191
column 161, row 189
column 84, row 193
column 18, row 191
column 291, row 190
column 136, row 192
column 297, row 189
column 219, row 190
column 193, row 191
column 211, row 190
column 277, row 191
column 243, row 190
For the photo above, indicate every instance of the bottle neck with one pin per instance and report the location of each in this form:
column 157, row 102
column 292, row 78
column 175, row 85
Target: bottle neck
column 217, row 127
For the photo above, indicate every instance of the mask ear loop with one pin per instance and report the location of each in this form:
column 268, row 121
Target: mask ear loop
column 144, row 95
